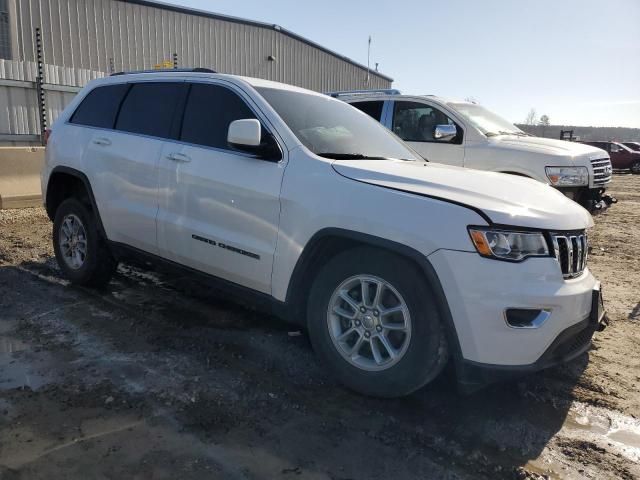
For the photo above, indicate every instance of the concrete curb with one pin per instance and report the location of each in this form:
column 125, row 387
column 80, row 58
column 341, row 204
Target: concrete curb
column 20, row 176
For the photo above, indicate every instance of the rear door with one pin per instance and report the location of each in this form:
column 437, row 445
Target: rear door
column 219, row 207
column 124, row 162
column 415, row 123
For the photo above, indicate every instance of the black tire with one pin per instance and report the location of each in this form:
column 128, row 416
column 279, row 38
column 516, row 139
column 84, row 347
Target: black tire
column 635, row 167
column 99, row 264
column 427, row 352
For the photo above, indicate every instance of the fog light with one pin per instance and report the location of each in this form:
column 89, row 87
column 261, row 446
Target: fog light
column 526, row 317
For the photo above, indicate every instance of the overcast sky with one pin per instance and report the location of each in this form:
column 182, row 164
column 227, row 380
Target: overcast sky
column 577, row 61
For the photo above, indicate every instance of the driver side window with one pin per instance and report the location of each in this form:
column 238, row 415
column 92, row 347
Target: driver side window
column 416, row 122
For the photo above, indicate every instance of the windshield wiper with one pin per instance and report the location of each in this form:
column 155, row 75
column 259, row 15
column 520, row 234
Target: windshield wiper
column 350, row 156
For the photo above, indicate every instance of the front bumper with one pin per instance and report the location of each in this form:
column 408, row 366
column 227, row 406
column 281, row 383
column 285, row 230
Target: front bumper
column 593, row 199
column 571, row 343
column 480, row 290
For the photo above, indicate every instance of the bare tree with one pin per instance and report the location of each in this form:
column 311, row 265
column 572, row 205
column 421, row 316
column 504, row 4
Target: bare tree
column 544, row 123
column 471, row 100
column 531, row 117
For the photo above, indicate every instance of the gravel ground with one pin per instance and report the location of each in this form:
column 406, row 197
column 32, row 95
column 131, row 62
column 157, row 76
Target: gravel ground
column 156, row 378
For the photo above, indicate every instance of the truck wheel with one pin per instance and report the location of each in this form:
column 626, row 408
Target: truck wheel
column 373, row 320
column 81, row 253
column 635, row 167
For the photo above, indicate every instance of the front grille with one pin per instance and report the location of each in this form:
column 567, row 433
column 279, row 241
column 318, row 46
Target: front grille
column 601, row 171
column 571, row 251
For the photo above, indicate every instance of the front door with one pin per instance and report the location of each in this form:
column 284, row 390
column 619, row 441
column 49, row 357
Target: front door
column 219, row 208
column 415, row 123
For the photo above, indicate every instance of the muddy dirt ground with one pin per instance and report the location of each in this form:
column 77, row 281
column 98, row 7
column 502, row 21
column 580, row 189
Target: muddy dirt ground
column 155, row 378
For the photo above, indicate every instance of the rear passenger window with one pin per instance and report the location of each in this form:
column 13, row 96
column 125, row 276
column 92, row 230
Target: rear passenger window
column 100, row 107
column 209, row 111
column 373, row 109
column 149, row 109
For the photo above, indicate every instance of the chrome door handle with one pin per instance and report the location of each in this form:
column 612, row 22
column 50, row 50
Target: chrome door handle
column 179, row 157
column 102, row 141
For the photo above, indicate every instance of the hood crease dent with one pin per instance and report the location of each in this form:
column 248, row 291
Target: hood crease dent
column 504, row 199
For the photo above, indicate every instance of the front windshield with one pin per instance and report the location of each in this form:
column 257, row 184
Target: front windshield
column 334, row 129
column 633, row 146
column 486, row 121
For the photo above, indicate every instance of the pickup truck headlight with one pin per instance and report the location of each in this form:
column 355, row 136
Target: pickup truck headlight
column 567, row 176
column 508, row 245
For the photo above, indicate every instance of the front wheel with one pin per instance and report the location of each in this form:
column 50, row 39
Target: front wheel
column 81, row 252
column 374, row 322
column 635, row 167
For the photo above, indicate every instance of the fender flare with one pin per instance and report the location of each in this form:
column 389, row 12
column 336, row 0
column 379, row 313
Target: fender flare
column 294, row 289
column 87, row 185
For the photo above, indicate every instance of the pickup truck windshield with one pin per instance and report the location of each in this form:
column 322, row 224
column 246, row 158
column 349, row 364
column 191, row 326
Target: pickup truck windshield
column 486, row 121
column 334, row 129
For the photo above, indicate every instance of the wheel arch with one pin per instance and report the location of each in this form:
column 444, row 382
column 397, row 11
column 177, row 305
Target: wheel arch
column 326, row 243
column 65, row 182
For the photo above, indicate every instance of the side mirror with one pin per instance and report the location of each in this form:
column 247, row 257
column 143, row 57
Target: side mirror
column 246, row 135
column 445, row 133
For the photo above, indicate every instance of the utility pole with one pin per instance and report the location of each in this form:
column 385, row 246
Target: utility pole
column 368, row 60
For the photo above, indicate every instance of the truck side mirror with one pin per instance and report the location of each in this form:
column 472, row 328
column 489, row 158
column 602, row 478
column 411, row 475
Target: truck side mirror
column 445, row 133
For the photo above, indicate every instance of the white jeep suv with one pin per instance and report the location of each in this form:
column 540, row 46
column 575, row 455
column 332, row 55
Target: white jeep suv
column 468, row 135
column 312, row 209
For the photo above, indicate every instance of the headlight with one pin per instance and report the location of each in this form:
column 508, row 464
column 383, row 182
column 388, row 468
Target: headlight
column 506, row 245
column 567, row 176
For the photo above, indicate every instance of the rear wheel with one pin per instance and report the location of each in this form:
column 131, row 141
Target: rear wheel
column 635, row 167
column 81, row 252
column 374, row 322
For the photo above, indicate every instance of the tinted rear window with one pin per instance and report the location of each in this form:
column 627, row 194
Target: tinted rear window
column 209, row 111
column 149, row 109
column 100, row 106
column 373, row 109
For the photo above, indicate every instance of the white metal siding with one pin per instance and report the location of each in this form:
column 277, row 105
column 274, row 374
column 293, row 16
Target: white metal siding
column 82, row 37
column 19, row 101
column 88, row 33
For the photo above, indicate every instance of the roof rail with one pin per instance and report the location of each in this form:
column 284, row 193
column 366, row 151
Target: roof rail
column 351, row 93
column 166, row 70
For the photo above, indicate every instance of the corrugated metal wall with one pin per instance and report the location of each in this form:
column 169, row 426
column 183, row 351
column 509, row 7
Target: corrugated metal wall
column 19, row 100
column 88, row 33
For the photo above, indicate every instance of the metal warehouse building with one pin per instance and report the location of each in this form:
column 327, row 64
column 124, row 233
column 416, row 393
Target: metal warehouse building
column 106, row 35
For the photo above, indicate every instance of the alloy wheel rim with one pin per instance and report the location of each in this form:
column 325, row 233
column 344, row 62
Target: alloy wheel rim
column 635, row 168
column 369, row 322
column 73, row 242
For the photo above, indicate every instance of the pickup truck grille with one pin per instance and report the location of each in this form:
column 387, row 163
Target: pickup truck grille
column 601, row 171
column 571, row 250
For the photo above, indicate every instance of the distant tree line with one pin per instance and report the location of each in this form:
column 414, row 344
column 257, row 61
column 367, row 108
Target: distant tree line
column 619, row 134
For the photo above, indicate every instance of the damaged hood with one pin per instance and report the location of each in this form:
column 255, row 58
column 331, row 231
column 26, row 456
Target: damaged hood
column 505, row 199
column 547, row 146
